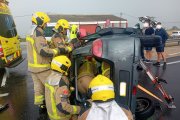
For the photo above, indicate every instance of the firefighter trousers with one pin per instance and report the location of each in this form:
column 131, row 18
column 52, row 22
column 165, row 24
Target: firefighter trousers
column 39, row 89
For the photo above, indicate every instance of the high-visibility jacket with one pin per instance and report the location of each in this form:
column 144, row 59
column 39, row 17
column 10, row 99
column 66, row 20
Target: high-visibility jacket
column 58, row 40
column 86, row 73
column 38, row 52
column 57, row 97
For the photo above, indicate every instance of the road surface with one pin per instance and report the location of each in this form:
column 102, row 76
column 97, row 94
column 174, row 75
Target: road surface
column 20, row 88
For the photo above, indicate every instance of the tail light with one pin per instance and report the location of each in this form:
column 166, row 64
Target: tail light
column 97, row 48
column 134, row 90
column 1, row 50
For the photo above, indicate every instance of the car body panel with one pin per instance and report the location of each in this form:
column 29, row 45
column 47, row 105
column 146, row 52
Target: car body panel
column 123, row 53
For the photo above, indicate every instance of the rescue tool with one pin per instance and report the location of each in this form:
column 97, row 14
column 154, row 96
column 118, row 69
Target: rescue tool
column 158, row 84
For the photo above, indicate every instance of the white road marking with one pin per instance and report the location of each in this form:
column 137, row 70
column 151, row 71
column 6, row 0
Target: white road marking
column 170, row 63
column 4, row 79
column 174, row 53
column 5, row 76
column 3, row 95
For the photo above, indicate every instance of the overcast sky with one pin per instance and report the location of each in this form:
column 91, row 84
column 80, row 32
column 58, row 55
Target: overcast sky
column 166, row 11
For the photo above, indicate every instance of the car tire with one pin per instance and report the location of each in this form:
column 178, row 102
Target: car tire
column 145, row 108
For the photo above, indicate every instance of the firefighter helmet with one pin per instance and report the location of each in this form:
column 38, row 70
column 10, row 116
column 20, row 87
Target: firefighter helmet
column 40, row 19
column 61, row 64
column 61, row 25
column 101, row 88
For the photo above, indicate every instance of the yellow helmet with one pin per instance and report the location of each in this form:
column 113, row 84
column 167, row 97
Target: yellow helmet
column 61, row 25
column 101, row 89
column 61, row 64
column 40, row 18
column 73, row 34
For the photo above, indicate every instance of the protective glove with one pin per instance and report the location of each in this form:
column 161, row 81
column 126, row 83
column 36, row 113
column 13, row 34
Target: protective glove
column 75, row 42
column 69, row 49
column 64, row 50
column 84, row 106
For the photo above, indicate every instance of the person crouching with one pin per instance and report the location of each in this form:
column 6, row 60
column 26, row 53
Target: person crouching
column 57, row 91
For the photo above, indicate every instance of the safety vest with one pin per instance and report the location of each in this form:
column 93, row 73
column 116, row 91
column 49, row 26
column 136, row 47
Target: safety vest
column 35, row 60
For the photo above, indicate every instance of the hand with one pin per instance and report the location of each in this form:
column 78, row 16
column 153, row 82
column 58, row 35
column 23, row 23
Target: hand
column 69, row 49
column 86, row 105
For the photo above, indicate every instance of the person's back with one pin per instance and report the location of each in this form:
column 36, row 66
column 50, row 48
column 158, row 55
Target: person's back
column 37, row 42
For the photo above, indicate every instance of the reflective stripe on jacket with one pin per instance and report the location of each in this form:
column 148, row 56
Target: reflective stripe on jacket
column 57, row 98
column 38, row 52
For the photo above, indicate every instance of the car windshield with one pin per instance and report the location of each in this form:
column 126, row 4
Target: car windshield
column 48, row 31
column 8, row 28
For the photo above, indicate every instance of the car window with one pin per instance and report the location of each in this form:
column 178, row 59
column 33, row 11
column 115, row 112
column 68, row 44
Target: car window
column 8, row 28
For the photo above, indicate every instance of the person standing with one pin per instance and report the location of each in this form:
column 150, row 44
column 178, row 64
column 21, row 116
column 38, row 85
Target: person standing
column 148, row 31
column 60, row 35
column 160, row 49
column 39, row 56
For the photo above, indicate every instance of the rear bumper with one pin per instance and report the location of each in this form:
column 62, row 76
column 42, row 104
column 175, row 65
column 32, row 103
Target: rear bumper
column 12, row 64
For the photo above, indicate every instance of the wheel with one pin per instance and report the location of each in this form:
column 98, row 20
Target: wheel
column 144, row 109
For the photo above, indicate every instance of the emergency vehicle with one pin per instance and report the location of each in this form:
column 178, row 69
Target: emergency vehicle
column 10, row 51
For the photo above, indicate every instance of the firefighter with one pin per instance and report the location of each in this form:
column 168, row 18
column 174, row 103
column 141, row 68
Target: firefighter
column 74, row 35
column 73, row 32
column 39, row 56
column 57, row 90
column 86, row 73
column 103, row 106
column 60, row 34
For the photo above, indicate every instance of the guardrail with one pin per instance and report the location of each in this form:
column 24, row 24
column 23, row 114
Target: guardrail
column 177, row 40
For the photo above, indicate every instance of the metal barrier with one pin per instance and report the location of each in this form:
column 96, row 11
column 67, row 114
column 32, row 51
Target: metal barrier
column 173, row 41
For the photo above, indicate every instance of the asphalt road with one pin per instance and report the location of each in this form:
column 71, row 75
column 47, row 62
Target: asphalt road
column 20, row 88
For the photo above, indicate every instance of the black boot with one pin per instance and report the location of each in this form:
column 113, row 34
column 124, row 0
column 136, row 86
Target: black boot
column 42, row 108
column 164, row 66
column 42, row 112
column 157, row 64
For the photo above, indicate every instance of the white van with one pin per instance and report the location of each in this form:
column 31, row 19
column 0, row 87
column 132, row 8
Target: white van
column 175, row 34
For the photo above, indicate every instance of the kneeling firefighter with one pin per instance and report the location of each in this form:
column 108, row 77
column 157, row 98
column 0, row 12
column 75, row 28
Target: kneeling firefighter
column 57, row 91
column 104, row 107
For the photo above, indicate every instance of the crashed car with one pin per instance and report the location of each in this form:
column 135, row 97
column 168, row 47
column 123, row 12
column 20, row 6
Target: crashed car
column 120, row 49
